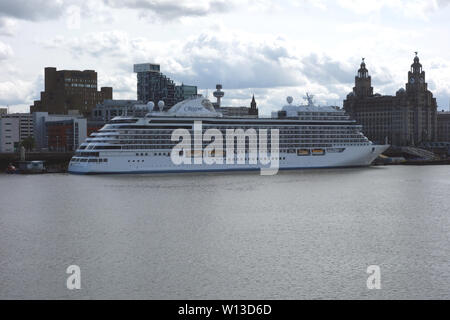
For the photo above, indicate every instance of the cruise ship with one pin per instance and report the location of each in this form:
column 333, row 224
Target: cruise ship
column 309, row 136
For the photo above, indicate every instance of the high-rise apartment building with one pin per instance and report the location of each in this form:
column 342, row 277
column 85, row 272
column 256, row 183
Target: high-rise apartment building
column 154, row 86
column 69, row 91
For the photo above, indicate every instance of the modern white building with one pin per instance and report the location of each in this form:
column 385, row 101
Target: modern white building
column 9, row 134
column 63, row 129
column 15, row 128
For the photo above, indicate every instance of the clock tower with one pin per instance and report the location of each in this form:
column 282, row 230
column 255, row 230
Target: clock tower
column 422, row 105
column 363, row 82
column 416, row 77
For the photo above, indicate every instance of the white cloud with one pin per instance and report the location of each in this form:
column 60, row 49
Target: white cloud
column 15, row 92
column 412, row 8
column 32, row 9
column 6, row 51
column 237, row 60
column 7, row 26
column 270, row 48
column 171, row 9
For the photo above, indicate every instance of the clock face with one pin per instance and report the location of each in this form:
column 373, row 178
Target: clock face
column 411, row 80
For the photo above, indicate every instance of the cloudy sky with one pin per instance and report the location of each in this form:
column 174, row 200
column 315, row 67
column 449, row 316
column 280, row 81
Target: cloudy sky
column 270, row 48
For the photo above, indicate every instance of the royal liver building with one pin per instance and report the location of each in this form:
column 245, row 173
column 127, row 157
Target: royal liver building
column 408, row 118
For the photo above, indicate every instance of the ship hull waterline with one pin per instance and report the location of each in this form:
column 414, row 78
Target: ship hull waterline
column 126, row 163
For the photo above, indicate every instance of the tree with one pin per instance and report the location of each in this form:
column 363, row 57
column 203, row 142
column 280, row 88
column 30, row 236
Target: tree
column 28, row 143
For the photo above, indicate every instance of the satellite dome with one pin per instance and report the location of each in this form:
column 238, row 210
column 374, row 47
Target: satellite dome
column 161, row 105
column 289, row 99
column 150, row 105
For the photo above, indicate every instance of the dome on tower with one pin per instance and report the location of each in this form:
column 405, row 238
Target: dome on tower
column 401, row 91
column 416, row 67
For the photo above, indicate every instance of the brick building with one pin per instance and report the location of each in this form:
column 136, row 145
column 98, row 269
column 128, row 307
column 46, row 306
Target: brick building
column 70, row 91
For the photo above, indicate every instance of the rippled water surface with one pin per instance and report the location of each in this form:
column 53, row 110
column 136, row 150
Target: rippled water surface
column 296, row 235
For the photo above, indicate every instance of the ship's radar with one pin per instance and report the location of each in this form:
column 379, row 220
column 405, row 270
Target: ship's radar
column 161, row 105
column 310, row 99
column 289, row 99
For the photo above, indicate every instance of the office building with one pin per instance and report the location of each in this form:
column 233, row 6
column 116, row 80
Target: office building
column 9, row 135
column 65, row 135
column 70, row 91
column 443, row 126
column 407, row 119
column 15, row 128
column 184, row 92
column 109, row 109
column 55, row 132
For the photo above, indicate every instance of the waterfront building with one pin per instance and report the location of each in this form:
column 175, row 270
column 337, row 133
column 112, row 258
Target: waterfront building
column 9, row 135
column 25, row 123
column 67, row 90
column 408, row 118
column 184, row 92
column 58, row 132
column 65, row 135
column 152, row 85
column 109, row 109
column 230, row 112
column 443, row 126
column 15, row 128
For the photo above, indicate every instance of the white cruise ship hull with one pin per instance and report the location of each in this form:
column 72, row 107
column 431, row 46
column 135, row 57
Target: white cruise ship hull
column 130, row 162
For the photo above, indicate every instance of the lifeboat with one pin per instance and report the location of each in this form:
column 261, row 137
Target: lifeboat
column 318, row 152
column 303, row 152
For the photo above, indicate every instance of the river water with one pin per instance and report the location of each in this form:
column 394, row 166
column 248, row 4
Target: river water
column 297, row 235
